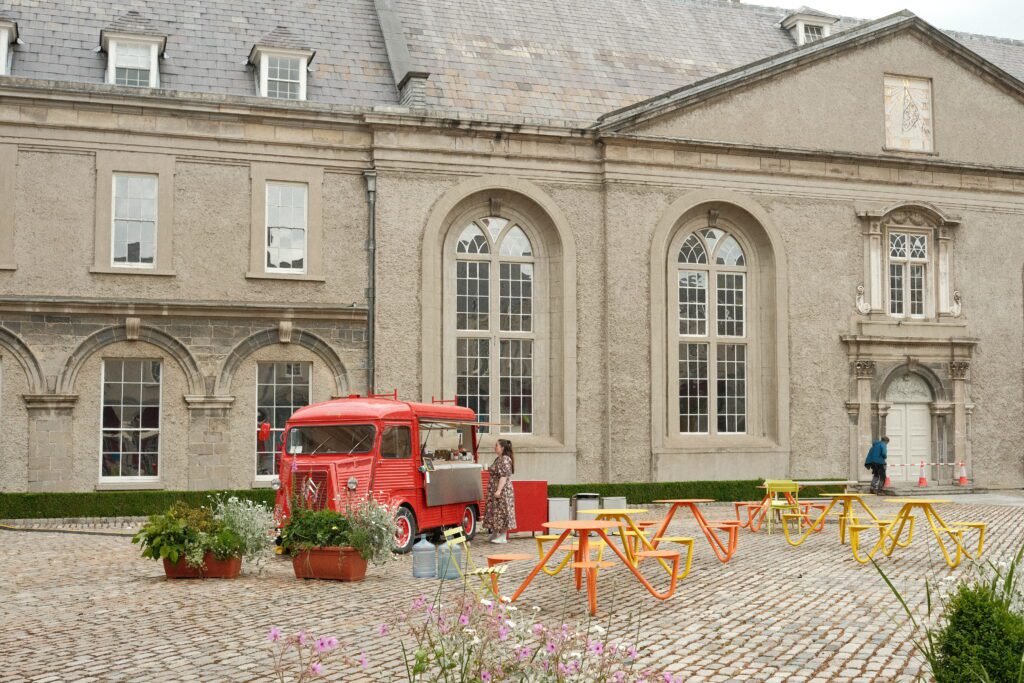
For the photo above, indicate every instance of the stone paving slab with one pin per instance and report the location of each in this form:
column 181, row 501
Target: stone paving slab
column 88, row 608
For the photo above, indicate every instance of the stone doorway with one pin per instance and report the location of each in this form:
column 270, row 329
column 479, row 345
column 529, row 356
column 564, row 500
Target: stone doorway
column 909, row 426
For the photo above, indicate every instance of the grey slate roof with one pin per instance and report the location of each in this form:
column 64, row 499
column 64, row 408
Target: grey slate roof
column 570, row 60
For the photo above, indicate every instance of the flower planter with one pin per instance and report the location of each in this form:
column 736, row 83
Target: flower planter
column 335, row 564
column 212, row 568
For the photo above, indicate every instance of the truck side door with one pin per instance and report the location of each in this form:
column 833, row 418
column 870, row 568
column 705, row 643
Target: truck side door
column 396, row 472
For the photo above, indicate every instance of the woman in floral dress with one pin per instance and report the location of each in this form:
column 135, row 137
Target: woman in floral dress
column 500, row 515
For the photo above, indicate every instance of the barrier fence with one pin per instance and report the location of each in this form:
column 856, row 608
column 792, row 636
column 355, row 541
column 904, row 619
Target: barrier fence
column 958, row 472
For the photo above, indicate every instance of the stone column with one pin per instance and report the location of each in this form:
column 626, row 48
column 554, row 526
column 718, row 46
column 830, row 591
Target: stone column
column 958, row 373
column 864, row 370
column 209, row 448
column 942, row 235
column 50, row 442
column 875, row 260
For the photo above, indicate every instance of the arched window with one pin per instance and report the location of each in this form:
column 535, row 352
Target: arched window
column 712, row 333
column 495, row 326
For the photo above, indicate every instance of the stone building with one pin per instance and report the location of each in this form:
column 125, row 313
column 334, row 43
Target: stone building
column 656, row 240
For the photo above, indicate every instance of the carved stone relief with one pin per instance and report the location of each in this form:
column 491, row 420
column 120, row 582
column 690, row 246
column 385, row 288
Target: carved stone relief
column 909, row 388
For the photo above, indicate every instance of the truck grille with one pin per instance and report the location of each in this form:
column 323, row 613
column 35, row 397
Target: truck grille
column 310, row 486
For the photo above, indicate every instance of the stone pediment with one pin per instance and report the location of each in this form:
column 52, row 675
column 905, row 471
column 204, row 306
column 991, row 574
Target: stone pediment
column 893, row 87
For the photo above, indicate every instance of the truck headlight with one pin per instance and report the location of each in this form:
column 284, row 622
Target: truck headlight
column 275, row 483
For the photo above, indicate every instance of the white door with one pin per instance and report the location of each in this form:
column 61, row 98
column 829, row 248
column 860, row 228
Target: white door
column 909, row 428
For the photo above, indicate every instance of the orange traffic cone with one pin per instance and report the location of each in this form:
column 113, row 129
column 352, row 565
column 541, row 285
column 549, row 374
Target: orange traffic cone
column 922, row 480
column 887, row 484
column 963, row 475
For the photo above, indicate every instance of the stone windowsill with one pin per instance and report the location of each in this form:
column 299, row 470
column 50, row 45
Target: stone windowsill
column 104, row 270
column 303, row 277
column 131, row 486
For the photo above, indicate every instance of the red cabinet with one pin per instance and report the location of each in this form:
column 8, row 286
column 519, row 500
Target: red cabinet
column 531, row 505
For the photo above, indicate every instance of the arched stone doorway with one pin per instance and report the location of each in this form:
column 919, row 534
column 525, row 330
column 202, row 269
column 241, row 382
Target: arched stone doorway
column 908, row 424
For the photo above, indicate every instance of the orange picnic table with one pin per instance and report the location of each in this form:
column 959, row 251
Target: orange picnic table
column 723, row 549
column 583, row 565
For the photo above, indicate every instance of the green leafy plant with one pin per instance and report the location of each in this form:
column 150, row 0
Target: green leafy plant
column 363, row 523
column 230, row 528
column 976, row 631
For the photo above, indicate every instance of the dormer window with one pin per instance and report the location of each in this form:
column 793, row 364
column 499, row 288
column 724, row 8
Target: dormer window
column 808, row 25
column 8, row 39
column 281, row 74
column 133, row 61
column 813, row 32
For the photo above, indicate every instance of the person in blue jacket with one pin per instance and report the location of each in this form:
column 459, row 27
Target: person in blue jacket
column 876, row 463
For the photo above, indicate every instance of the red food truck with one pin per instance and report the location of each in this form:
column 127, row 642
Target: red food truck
column 421, row 456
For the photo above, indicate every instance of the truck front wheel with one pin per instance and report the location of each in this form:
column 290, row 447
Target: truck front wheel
column 405, row 535
column 469, row 522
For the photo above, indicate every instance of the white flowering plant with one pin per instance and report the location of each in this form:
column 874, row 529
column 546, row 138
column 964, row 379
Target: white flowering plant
column 474, row 639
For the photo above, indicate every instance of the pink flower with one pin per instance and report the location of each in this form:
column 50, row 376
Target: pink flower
column 325, row 644
column 316, row 668
column 301, row 637
column 419, row 602
column 632, row 652
column 522, row 654
column 485, row 676
column 538, row 629
column 274, row 635
column 550, row 647
column 619, row 676
column 463, row 620
column 363, row 661
column 383, row 630
column 502, row 633
column 597, row 647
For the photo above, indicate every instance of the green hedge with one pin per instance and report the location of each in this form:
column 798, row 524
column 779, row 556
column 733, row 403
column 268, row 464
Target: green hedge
column 108, row 503
column 646, row 492
column 141, row 503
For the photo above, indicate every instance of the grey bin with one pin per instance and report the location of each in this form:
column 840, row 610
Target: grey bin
column 585, row 501
column 614, row 502
column 559, row 510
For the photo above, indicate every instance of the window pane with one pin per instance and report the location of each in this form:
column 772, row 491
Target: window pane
column 918, row 247
column 693, row 388
column 692, row 251
column 396, row 443
column 693, row 302
column 732, row 388
column 134, row 219
column 730, row 253
column 917, row 290
column 282, row 389
column 516, row 243
column 516, row 395
column 286, row 226
column 897, row 245
column 472, row 241
column 516, row 297
column 472, row 299
column 730, row 293
column 472, row 377
column 284, row 77
column 896, row 288
column 131, row 431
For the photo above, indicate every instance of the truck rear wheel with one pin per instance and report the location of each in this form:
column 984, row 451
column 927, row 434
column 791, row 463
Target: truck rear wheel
column 405, row 535
column 469, row 522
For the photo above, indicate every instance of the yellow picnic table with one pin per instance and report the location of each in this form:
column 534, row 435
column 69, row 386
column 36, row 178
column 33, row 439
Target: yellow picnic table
column 890, row 531
column 631, row 529
column 846, row 517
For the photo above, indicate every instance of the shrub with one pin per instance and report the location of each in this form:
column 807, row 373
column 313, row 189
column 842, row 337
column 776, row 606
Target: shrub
column 230, row 528
column 112, row 503
column 978, row 635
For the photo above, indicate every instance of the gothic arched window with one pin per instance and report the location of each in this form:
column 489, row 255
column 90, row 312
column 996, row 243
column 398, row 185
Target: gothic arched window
column 712, row 333
column 495, row 327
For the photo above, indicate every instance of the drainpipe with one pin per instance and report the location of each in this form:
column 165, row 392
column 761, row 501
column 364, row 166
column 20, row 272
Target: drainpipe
column 371, row 272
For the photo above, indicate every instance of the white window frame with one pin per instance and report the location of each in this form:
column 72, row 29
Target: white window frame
column 255, row 446
column 156, row 221
column 305, row 228
column 260, row 57
column 111, row 43
column 103, row 479
column 928, row 293
column 8, row 39
column 712, row 339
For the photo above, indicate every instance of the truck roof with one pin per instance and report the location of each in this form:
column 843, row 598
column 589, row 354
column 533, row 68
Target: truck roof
column 359, row 408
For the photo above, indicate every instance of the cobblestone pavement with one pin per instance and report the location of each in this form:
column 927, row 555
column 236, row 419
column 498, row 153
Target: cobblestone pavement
column 78, row 607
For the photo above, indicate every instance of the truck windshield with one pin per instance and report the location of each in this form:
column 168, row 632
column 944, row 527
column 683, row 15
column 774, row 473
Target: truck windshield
column 331, row 439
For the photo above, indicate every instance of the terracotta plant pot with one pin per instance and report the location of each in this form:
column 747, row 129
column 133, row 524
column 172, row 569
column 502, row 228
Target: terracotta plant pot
column 212, row 569
column 335, row 564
